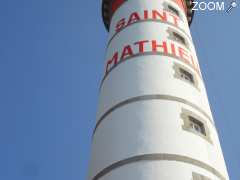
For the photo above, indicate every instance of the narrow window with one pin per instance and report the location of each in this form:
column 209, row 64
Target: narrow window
column 173, row 10
column 194, row 124
column 197, row 125
column 186, row 75
column 179, row 38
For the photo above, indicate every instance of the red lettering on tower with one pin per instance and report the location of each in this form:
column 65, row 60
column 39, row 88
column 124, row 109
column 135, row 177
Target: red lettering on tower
column 183, row 55
column 145, row 14
column 173, row 49
column 175, row 19
column 127, row 51
column 163, row 46
column 134, row 17
column 141, row 45
column 113, row 61
column 162, row 16
column 157, row 15
column 121, row 24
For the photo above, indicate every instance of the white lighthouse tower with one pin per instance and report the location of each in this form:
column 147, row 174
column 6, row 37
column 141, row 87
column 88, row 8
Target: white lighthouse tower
column 154, row 121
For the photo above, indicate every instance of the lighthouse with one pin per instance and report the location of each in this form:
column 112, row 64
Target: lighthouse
column 154, row 120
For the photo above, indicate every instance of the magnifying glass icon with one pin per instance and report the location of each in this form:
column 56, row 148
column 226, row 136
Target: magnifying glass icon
column 232, row 5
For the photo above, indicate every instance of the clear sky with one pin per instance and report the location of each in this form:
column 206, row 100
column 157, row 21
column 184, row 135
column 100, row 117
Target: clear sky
column 51, row 64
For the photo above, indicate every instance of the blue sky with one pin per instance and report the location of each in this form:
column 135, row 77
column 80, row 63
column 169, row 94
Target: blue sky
column 51, row 64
